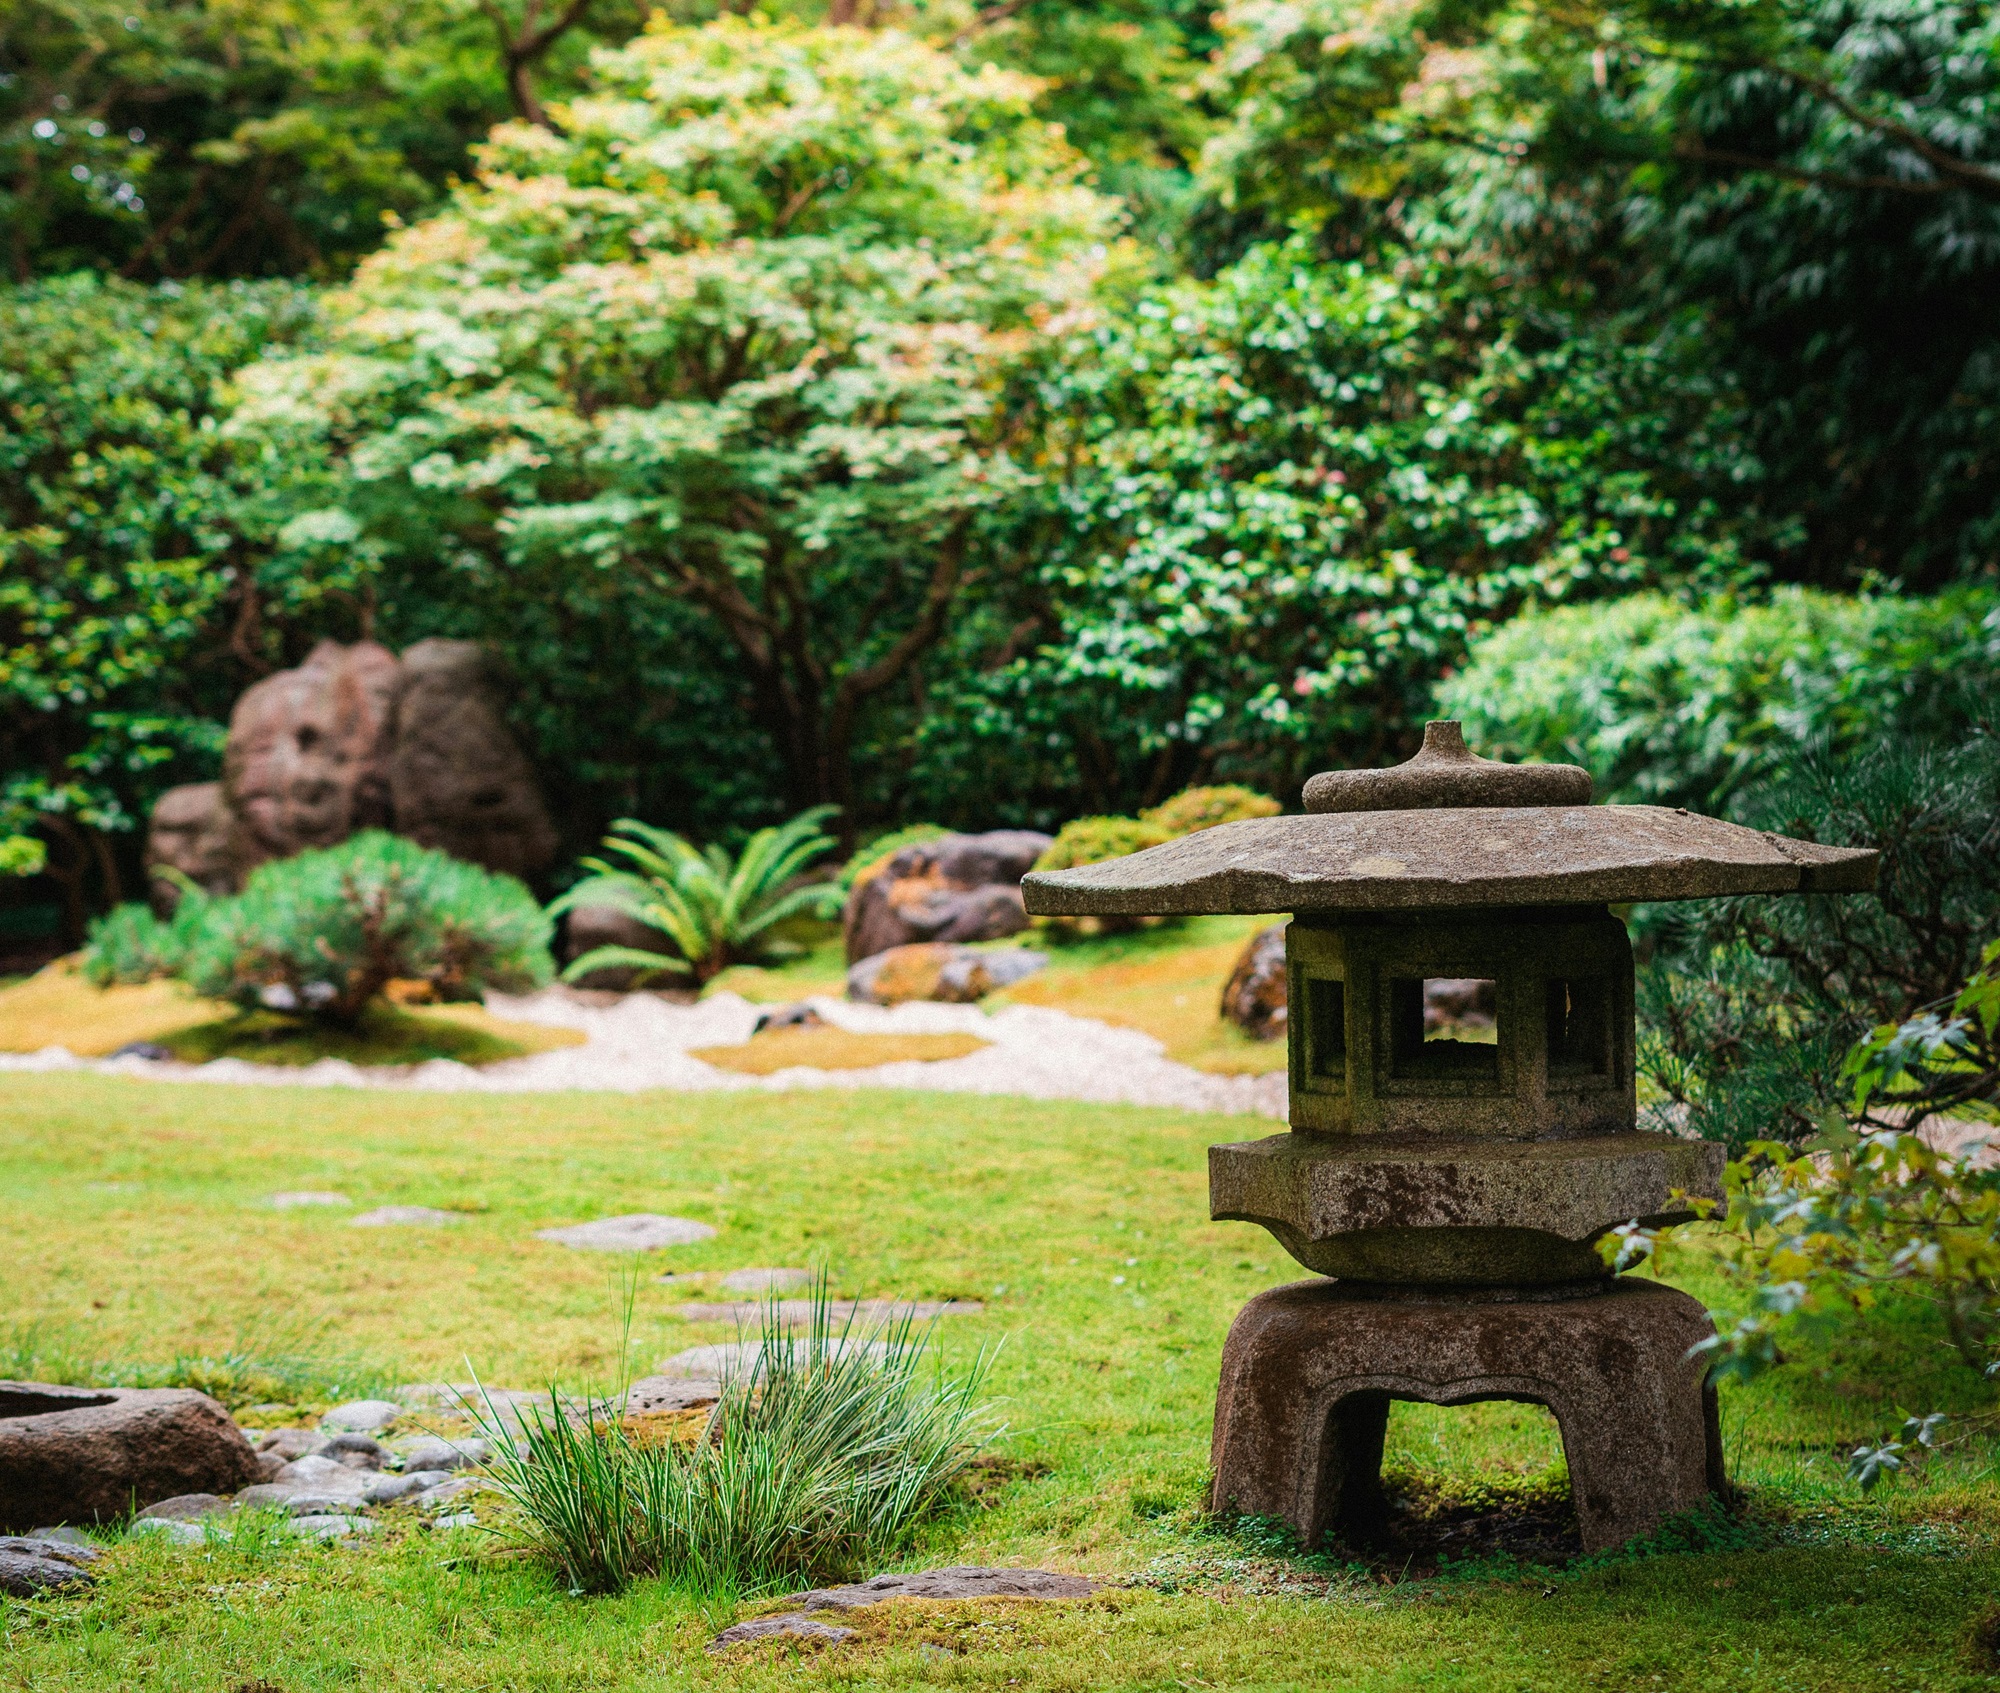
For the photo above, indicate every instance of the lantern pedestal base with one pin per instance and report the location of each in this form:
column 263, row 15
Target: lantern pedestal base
column 1310, row 1370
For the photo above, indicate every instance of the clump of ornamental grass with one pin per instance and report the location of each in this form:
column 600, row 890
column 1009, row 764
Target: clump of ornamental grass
column 824, row 1456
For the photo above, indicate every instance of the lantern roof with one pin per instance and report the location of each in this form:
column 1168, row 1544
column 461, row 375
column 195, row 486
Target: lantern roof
column 1449, row 830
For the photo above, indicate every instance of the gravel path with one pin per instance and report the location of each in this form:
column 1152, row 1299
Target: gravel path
column 643, row 1042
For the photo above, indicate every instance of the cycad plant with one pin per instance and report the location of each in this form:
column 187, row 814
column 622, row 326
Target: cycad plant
column 716, row 911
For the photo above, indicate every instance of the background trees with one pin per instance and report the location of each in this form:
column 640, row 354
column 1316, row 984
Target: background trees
column 1018, row 474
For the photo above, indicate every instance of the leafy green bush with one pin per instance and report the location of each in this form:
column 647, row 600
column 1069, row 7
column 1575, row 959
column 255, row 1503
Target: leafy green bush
column 22, row 855
column 129, row 944
column 1204, row 808
column 820, row 1461
column 717, row 910
column 1091, row 840
column 320, row 934
column 1671, row 704
column 1748, row 1006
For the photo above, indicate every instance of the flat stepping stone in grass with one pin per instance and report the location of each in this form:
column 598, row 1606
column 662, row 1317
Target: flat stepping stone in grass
column 738, row 1358
column 764, row 1281
column 360, row 1416
column 395, row 1216
column 791, row 1627
column 640, row 1232
column 658, row 1395
column 961, row 1581
column 798, row 1313
column 294, row 1201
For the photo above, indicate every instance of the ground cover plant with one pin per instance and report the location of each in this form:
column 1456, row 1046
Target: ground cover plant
column 58, row 1007
column 136, row 1223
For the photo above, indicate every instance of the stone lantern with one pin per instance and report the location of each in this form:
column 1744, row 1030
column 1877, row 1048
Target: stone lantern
column 1448, row 1191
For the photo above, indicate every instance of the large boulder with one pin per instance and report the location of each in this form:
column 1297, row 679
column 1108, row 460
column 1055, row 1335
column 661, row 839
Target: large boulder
column 191, row 831
column 1254, row 998
column 356, row 738
column 958, row 888
column 307, row 762
column 93, row 1454
column 957, row 975
column 457, row 780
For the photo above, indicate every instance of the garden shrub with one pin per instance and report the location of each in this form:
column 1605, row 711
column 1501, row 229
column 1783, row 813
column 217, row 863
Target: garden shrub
column 321, row 934
column 1204, row 808
column 1747, row 1006
column 130, row 944
column 1091, row 840
column 717, row 910
column 1671, row 704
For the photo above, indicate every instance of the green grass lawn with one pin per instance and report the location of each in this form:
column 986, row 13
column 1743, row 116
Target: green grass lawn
column 136, row 1240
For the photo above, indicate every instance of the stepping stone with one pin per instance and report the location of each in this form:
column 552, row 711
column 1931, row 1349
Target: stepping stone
column 764, row 1281
column 304, row 1197
column 792, row 1626
column 391, row 1216
column 720, row 1363
column 360, row 1416
column 35, row 1563
column 167, row 1528
column 187, row 1508
column 798, row 1313
column 961, row 1581
column 640, row 1232
column 330, row 1527
column 651, row 1395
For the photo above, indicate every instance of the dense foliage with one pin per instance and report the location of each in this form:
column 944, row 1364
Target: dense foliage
column 1749, row 1006
column 738, row 343
column 133, row 603
column 810, row 406
column 714, row 908
column 1667, row 703
column 320, row 935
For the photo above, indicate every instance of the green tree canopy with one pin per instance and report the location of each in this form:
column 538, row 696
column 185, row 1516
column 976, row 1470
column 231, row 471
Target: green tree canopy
column 745, row 333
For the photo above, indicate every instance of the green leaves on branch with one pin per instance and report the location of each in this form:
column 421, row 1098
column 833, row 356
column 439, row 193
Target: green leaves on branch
column 715, row 909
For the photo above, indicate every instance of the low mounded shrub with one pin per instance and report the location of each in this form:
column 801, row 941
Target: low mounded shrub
column 1204, row 808
column 1091, row 840
column 321, row 934
column 1671, row 704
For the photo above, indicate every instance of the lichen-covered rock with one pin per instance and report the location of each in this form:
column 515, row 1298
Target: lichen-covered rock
column 356, row 738
column 190, row 831
column 457, row 779
column 79, row 1455
column 1255, row 996
column 31, row 1565
column 956, row 975
column 307, row 763
column 959, row 888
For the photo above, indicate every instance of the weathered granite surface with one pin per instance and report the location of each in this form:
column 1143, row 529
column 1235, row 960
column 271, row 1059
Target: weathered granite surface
column 1447, row 773
column 1309, row 1371
column 80, row 1455
column 1452, row 858
column 1464, row 1213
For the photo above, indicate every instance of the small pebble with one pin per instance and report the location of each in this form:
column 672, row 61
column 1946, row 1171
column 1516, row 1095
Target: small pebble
column 166, row 1528
column 294, row 1201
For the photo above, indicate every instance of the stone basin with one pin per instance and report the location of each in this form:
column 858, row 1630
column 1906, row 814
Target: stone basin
column 1423, row 1210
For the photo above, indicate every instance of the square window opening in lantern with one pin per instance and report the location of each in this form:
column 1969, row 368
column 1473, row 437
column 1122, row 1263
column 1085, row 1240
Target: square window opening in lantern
column 1326, row 1032
column 1579, row 1022
column 1444, row 1028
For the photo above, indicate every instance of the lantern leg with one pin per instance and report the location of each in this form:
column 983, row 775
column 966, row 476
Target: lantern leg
column 1310, row 1370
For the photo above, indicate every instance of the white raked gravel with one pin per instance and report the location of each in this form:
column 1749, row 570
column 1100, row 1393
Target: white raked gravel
column 644, row 1042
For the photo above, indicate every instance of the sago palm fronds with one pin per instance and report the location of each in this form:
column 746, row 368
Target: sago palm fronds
column 716, row 911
